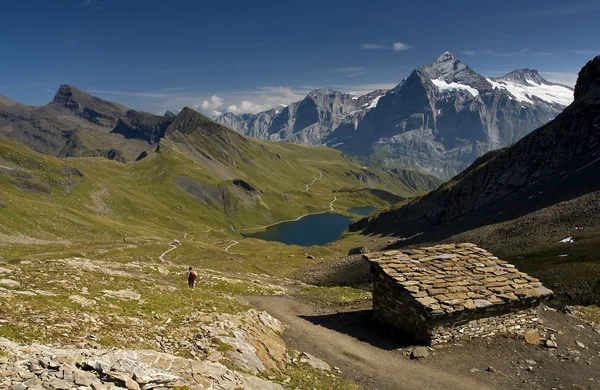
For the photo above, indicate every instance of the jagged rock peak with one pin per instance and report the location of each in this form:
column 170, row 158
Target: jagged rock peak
column 67, row 93
column 524, row 76
column 189, row 120
column 451, row 70
column 88, row 106
column 170, row 114
column 445, row 57
column 588, row 80
column 322, row 92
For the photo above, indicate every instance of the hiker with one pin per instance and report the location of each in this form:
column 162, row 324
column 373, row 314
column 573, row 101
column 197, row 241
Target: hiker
column 191, row 275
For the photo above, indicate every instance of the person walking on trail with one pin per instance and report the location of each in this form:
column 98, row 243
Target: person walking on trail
column 191, row 275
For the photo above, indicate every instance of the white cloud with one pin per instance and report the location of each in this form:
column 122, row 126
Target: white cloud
column 214, row 103
column 471, row 53
column 399, row 46
column 396, row 46
column 350, row 71
column 373, row 46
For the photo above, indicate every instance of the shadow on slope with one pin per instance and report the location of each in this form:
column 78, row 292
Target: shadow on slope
column 362, row 326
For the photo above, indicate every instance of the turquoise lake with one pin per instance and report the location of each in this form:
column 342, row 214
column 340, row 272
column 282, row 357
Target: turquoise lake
column 316, row 229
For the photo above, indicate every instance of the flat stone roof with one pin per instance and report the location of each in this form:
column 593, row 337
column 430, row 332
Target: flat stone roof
column 456, row 277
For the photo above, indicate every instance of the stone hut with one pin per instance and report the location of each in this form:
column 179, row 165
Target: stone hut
column 448, row 292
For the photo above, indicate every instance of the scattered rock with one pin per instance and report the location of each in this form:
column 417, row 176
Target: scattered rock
column 123, row 295
column 490, row 369
column 580, row 344
column 532, row 337
column 419, row 353
column 314, row 362
column 551, row 344
column 45, row 293
column 9, row 283
column 82, row 300
column 359, row 250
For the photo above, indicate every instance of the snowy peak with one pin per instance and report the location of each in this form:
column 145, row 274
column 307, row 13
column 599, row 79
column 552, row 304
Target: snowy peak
column 524, row 77
column 449, row 70
column 527, row 86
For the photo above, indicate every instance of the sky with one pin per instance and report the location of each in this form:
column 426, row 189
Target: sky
column 248, row 56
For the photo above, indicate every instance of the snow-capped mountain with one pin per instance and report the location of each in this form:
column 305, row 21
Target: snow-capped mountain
column 438, row 120
column 308, row 121
column 528, row 86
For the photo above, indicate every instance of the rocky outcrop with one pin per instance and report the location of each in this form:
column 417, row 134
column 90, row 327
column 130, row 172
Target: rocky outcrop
column 43, row 367
column 588, row 80
column 143, row 126
column 76, row 124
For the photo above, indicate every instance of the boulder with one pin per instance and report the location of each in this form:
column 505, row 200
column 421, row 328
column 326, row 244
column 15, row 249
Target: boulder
column 359, row 250
column 314, row 362
column 419, row 353
column 532, row 337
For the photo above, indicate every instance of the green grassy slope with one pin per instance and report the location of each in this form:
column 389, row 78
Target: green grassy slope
column 191, row 185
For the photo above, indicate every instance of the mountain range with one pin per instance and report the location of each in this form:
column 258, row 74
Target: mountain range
column 438, row 120
column 531, row 200
column 189, row 171
column 75, row 124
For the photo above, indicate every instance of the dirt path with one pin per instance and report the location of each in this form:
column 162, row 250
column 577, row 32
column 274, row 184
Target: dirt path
column 161, row 258
column 370, row 366
column 314, row 180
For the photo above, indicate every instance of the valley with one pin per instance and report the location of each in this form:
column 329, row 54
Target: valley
column 104, row 209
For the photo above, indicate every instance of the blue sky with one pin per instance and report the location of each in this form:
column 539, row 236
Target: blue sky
column 245, row 56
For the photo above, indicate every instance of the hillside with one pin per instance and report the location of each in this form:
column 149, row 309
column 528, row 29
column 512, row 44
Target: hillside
column 76, row 124
column 438, row 120
column 89, row 272
column 521, row 200
column 202, row 176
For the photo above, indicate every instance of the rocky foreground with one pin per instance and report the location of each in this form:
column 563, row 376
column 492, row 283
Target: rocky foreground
column 42, row 367
column 251, row 341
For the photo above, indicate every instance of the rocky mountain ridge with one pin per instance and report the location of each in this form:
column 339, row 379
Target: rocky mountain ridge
column 556, row 163
column 438, row 120
column 76, row 124
column 309, row 121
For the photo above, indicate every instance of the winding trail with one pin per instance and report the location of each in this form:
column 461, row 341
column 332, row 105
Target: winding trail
column 314, row 180
column 173, row 247
column 230, row 245
column 370, row 366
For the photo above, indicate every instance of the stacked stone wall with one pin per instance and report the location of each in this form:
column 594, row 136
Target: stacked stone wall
column 395, row 305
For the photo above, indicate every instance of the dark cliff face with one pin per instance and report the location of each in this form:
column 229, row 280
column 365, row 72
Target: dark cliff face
column 556, row 162
column 143, row 126
column 588, row 79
